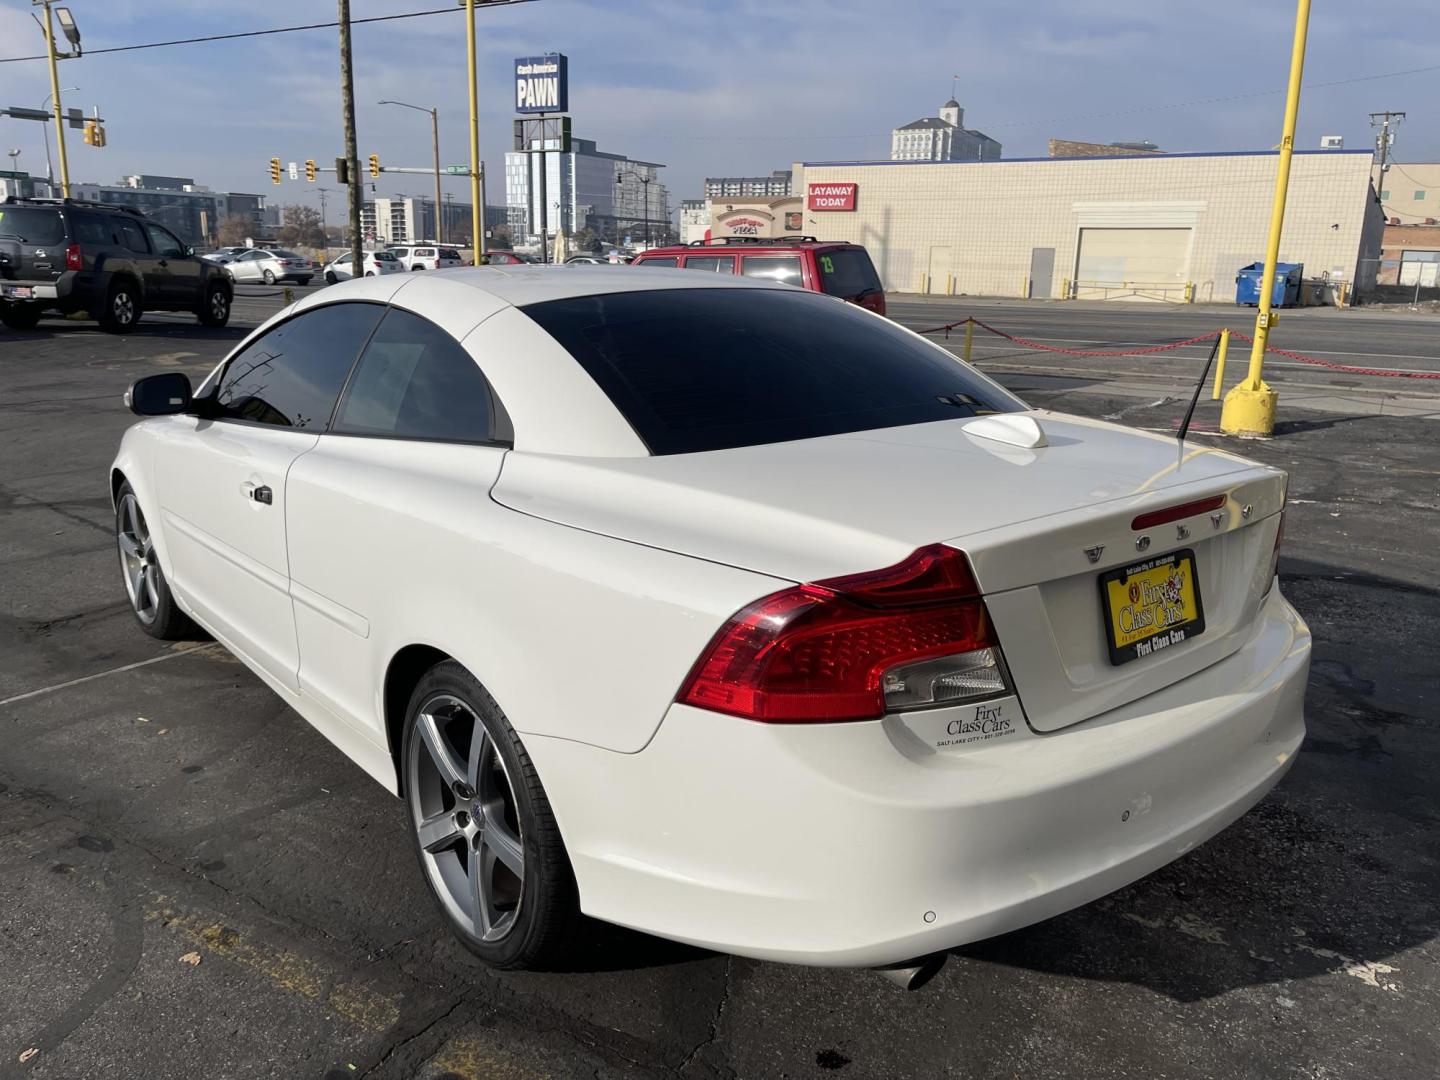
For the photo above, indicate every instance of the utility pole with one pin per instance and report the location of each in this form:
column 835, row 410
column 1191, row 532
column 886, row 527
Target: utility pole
column 477, row 211
column 1384, row 139
column 1249, row 408
column 324, row 229
column 55, row 95
column 352, row 152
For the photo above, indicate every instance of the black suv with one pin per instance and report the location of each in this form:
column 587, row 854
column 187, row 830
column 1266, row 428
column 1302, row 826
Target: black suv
column 69, row 255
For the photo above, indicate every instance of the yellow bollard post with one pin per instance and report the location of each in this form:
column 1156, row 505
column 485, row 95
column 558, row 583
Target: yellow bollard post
column 1065, row 289
column 1220, row 363
column 289, row 295
column 1025, row 288
column 1249, row 409
column 969, row 337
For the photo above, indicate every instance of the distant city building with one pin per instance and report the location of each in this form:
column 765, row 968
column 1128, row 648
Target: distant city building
column 776, row 185
column 407, row 219
column 942, row 138
column 191, row 211
column 1410, row 193
column 586, row 188
column 1123, row 226
column 694, row 220
column 22, row 185
column 1069, row 148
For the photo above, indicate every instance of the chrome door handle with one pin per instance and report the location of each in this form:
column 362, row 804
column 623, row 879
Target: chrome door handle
column 258, row 493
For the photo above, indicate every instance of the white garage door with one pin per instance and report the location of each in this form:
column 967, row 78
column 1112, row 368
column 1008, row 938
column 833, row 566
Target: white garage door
column 1133, row 264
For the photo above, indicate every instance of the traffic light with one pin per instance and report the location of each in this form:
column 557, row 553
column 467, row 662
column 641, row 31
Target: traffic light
column 90, row 127
column 310, row 169
column 342, row 170
column 275, row 170
column 374, row 164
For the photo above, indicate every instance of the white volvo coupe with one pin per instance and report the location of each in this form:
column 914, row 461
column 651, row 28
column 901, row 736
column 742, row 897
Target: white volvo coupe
column 719, row 609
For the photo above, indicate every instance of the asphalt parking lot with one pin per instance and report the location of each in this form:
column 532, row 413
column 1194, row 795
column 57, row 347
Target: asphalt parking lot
column 193, row 883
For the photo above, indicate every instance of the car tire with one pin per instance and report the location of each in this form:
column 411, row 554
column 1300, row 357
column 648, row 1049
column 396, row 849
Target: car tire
column 20, row 316
column 151, row 601
column 215, row 311
column 481, row 815
column 369, row 273
column 269, row 277
column 330, row 278
column 302, row 281
column 414, row 268
column 122, row 308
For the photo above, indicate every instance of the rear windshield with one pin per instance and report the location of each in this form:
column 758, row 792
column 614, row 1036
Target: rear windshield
column 283, row 254
column 32, row 224
column 710, row 369
column 384, row 256
column 847, row 272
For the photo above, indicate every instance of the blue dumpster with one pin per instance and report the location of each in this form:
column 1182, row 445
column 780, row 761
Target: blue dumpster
column 1288, row 277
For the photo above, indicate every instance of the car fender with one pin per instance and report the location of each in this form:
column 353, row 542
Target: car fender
column 107, row 269
column 133, row 462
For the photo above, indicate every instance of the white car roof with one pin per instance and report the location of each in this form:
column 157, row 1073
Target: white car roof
column 529, row 283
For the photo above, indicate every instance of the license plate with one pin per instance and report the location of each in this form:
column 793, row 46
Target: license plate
column 19, row 292
column 1151, row 606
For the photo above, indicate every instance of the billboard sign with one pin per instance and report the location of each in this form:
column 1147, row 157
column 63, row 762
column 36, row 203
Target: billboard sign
column 542, row 84
column 832, row 196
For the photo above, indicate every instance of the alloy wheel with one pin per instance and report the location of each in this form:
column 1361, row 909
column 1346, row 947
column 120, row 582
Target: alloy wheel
column 138, row 561
column 123, row 308
column 219, row 305
column 467, row 819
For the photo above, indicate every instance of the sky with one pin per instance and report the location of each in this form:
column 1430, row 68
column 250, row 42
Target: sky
column 716, row 87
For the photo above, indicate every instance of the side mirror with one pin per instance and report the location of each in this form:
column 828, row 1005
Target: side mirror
column 190, row 252
column 160, row 395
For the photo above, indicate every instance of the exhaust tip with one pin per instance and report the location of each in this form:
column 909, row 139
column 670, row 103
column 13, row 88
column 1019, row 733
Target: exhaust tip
column 913, row 974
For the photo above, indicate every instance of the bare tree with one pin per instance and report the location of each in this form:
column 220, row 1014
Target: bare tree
column 300, row 227
column 233, row 230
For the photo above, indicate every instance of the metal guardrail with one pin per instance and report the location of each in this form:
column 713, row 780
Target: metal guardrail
column 1168, row 292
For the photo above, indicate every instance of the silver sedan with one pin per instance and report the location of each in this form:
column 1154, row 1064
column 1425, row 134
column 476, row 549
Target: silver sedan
column 271, row 265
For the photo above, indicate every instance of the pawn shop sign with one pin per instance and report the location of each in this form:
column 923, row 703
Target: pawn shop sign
column 832, row 196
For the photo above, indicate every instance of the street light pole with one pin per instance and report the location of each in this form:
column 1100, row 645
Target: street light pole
column 352, row 152
column 434, row 112
column 55, row 93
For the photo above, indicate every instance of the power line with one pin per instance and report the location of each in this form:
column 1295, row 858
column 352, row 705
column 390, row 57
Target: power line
column 265, row 33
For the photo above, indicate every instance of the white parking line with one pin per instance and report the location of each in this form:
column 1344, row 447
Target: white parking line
column 103, row 674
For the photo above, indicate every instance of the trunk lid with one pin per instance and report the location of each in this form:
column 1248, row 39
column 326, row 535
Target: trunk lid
column 1029, row 519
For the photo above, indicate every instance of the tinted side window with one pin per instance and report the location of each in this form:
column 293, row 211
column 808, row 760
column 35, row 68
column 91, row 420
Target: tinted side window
column 131, row 235
column 708, row 369
column 92, row 229
column 416, row 382
column 671, row 262
column 162, row 242
column 714, row 264
column 784, row 268
column 291, row 376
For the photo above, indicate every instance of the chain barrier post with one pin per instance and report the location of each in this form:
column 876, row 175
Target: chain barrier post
column 969, row 337
column 1249, row 409
column 1220, row 363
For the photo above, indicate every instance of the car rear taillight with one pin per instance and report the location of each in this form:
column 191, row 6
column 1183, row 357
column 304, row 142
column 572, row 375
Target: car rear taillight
column 912, row 635
column 73, row 261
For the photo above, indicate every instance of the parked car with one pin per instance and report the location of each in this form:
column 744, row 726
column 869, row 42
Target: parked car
column 425, row 256
column 375, row 263
column 271, row 265
column 111, row 262
column 587, row 260
column 727, row 613
column 224, row 255
column 504, row 258
column 839, row 269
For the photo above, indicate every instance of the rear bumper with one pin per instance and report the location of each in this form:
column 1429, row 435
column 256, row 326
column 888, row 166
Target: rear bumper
column 865, row 844
column 71, row 291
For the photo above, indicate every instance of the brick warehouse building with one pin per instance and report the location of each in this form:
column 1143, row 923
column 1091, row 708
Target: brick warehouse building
column 1123, row 227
